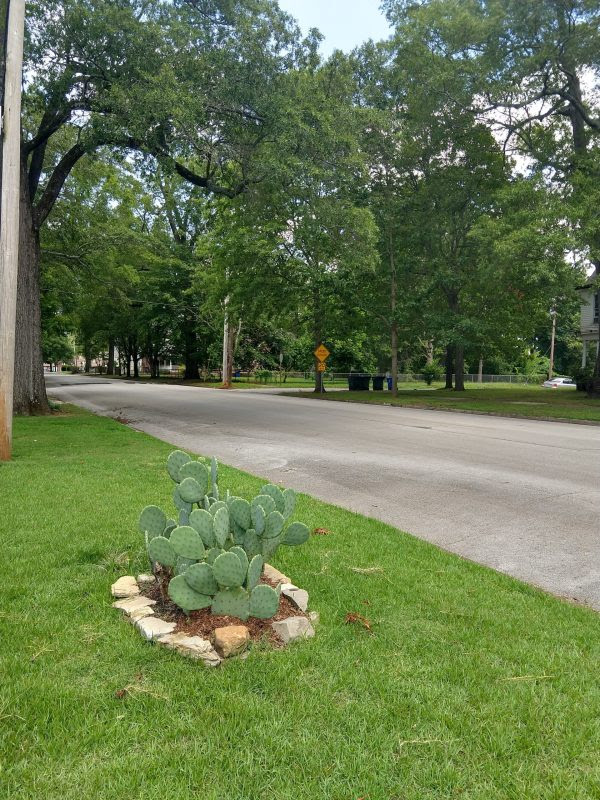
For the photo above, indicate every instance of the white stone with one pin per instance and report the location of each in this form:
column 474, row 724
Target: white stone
column 132, row 604
column 140, row 613
column 314, row 617
column 145, row 578
column 299, row 597
column 293, row 628
column 273, row 574
column 193, row 647
column 153, row 628
column 125, row 587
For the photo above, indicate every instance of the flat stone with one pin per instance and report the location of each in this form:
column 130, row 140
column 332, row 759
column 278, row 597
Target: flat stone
column 125, row 587
column 293, row 628
column 140, row 613
column 145, row 578
column 193, row 647
column 273, row 574
column 231, row 640
column 153, row 628
column 132, row 604
column 299, row 597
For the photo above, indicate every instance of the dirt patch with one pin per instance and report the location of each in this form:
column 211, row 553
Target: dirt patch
column 203, row 623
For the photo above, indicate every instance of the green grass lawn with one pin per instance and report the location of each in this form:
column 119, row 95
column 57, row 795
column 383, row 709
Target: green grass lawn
column 471, row 684
column 238, row 383
column 507, row 399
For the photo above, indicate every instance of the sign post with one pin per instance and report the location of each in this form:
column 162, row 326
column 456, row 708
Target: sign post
column 321, row 354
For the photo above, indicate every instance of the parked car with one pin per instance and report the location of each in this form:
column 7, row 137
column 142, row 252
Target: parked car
column 560, row 383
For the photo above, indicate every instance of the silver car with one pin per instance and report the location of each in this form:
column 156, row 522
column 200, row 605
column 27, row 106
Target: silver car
column 560, row 383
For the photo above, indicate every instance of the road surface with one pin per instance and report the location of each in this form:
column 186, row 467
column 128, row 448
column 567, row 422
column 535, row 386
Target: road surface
column 520, row 496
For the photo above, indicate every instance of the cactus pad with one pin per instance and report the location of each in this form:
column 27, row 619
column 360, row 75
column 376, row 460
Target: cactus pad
column 171, row 524
column 275, row 493
column 258, row 516
column 184, row 518
column 175, row 462
column 264, row 602
column 232, row 603
column 254, row 571
column 289, row 503
column 221, row 525
column 183, row 564
column 239, row 510
column 214, row 471
column 297, row 533
column 238, row 533
column 202, row 521
column 241, row 554
column 251, row 543
column 269, row 546
column 273, row 525
column 191, row 491
column 228, row 570
column 216, row 505
column 187, row 542
column 161, row 550
column 153, row 521
column 267, row 503
column 182, row 594
column 212, row 554
column 196, row 470
column 201, row 578
column 179, row 503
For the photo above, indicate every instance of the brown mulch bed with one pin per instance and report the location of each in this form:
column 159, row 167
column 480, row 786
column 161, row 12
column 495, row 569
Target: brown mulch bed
column 203, row 623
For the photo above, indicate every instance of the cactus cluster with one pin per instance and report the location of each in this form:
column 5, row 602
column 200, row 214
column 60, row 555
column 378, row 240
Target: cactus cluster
column 214, row 554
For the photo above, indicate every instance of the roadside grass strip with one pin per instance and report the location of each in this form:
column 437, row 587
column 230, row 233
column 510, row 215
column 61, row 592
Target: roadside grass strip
column 430, row 677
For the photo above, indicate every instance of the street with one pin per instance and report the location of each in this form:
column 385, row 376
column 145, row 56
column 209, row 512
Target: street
column 520, row 496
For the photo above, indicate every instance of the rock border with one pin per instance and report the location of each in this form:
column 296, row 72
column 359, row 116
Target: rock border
column 229, row 641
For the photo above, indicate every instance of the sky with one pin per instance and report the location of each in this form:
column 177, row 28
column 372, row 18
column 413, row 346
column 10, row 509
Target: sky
column 344, row 23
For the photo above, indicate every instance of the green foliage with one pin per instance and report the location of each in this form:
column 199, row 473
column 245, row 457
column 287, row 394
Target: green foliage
column 432, row 372
column 216, row 560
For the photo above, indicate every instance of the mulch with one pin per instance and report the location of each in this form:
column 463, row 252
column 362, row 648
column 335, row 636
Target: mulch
column 203, row 623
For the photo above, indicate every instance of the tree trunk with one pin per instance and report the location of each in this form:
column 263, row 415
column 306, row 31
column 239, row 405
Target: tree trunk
column 29, row 387
column 449, row 365
column 110, row 369
column 480, row 371
column 87, row 353
column 190, row 355
column 319, row 386
column 394, row 329
column 459, row 368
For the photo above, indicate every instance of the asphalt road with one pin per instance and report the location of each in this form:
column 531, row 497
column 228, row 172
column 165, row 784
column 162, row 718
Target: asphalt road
column 520, row 496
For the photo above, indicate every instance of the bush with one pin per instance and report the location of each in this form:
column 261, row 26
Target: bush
column 583, row 378
column 432, row 372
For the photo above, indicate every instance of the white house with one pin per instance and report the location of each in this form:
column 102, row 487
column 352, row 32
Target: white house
column 589, row 323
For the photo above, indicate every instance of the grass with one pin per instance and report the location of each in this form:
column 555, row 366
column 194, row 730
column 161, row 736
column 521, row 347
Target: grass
column 470, row 685
column 532, row 402
column 237, row 383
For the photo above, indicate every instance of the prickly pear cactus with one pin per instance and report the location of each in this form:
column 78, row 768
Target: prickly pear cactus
column 201, row 578
column 191, row 491
column 274, row 525
column 239, row 510
column 254, row 572
column 221, row 525
column 182, row 594
column 241, row 554
column 175, row 462
column 266, row 502
column 264, row 602
column 289, row 503
column 186, row 542
column 296, row 534
column 232, row 602
column 153, row 521
column 202, row 521
column 228, row 570
column 275, row 492
column 198, row 471
column 161, row 550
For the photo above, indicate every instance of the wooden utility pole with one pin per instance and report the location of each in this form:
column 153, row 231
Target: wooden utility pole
column 9, row 214
column 551, row 368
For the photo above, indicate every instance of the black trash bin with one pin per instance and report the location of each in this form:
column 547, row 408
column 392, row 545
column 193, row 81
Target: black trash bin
column 358, row 382
column 378, row 383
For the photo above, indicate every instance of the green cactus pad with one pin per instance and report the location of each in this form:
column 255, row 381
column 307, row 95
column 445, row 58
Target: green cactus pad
column 228, row 570
column 175, row 462
column 264, row 602
column 212, row 554
column 171, row 524
column 237, row 532
column 201, row 578
column 241, row 554
column 232, row 603
column 196, row 470
column 182, row 594
column 297, row 533
column 221, row 525
column 216, row 505
column 251, row 543
column 202, row 521
column 214, row 471
column 215, row 491
column 269, row 546
column 161, row 550
column 179, row 503
column 257, row 513
column 207, row 502
column 152, row 521
column 254, row 572
column 191, row 491
column 267, row 503
column 183, row 564
column 187, row 542
column 184, row 518
column 276, row 493
column 289, row 503
column 273, row 525
column 239, row 510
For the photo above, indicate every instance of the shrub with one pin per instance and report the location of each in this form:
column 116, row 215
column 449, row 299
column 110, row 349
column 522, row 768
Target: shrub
column 432, row 372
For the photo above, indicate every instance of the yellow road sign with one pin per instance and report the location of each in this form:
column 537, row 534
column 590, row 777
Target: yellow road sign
column 322, row 353
column 321, row 366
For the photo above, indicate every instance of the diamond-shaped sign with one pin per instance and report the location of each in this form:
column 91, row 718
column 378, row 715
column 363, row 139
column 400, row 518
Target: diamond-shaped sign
column 321, row 366
column 322, row 352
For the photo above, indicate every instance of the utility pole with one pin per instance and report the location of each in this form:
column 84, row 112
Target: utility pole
column 551, row 369
column 9, row 214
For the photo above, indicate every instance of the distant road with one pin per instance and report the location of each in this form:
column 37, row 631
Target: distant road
column 520, row 496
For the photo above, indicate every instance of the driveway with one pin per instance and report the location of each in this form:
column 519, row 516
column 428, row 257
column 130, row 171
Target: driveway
column 520, row 496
